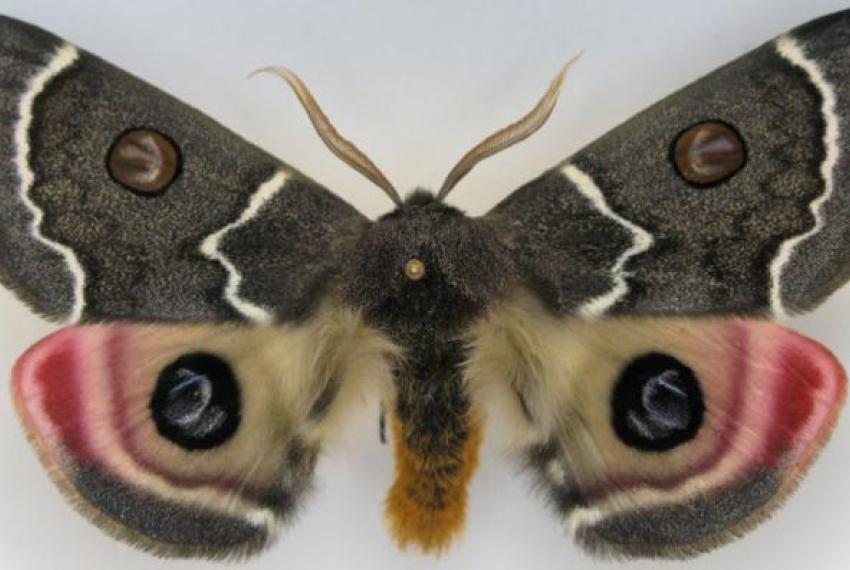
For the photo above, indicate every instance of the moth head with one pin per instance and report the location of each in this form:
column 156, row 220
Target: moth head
column 427, row 262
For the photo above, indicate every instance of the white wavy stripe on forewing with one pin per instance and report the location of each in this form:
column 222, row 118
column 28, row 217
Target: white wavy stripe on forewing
column 210, row 248
column 641, row 241
column 62, row 59
column 791, row 51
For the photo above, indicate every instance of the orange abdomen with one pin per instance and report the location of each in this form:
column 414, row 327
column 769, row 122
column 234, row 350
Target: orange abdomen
column 426, row 506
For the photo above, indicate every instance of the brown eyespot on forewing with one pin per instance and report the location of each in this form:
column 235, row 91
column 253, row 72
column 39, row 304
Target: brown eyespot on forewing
column 708, row 153
column 144, row 160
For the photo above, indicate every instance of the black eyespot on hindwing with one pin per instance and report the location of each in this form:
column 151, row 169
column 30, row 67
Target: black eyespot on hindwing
column 196, row 403
column 657, row 403
column 708, row 153
column 144, row 161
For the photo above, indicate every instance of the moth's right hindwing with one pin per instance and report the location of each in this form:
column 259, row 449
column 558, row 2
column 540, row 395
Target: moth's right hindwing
column 192, row 440
column 119, row 202
column 660, row 436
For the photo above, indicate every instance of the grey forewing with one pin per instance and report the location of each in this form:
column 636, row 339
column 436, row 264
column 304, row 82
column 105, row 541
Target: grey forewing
column 707, row 250
column 141, row 255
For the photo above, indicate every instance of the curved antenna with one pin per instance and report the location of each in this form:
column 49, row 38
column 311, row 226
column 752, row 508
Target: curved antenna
column 510, row 135
column 339, row 145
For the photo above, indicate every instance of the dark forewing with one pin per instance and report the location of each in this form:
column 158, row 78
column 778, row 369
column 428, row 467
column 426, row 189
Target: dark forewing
column 617, row 228
column 235, row 235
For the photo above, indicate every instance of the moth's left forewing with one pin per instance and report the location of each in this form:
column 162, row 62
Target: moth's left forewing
column 659, row 437
column 119, row 202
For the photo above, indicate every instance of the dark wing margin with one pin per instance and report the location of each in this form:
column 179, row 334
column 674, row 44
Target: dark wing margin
column 617, row 229
column 237, row 235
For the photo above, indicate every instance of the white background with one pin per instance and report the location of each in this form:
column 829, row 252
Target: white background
column 415, row 84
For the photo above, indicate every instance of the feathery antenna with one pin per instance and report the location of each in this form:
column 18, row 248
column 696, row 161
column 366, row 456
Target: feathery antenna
column 339, row 145
column 510, row 135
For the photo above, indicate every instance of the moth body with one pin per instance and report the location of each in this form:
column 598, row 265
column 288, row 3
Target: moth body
column 464, row 270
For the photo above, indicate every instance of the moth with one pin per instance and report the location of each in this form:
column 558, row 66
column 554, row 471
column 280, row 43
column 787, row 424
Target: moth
column 617, row 313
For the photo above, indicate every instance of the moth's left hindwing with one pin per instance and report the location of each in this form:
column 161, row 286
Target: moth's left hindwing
column 119, row 202
column 659, row 436
column 191, row 440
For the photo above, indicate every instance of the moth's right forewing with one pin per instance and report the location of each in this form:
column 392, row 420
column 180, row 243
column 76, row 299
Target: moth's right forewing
column 647, row 220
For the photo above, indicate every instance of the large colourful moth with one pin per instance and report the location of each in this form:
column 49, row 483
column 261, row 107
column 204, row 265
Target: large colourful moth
column 227, row 309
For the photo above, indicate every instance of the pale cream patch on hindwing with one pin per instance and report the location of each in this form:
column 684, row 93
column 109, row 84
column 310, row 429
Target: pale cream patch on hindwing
column 791, row 51
column 210, row 248
column 641, row 241
column 62, row 59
